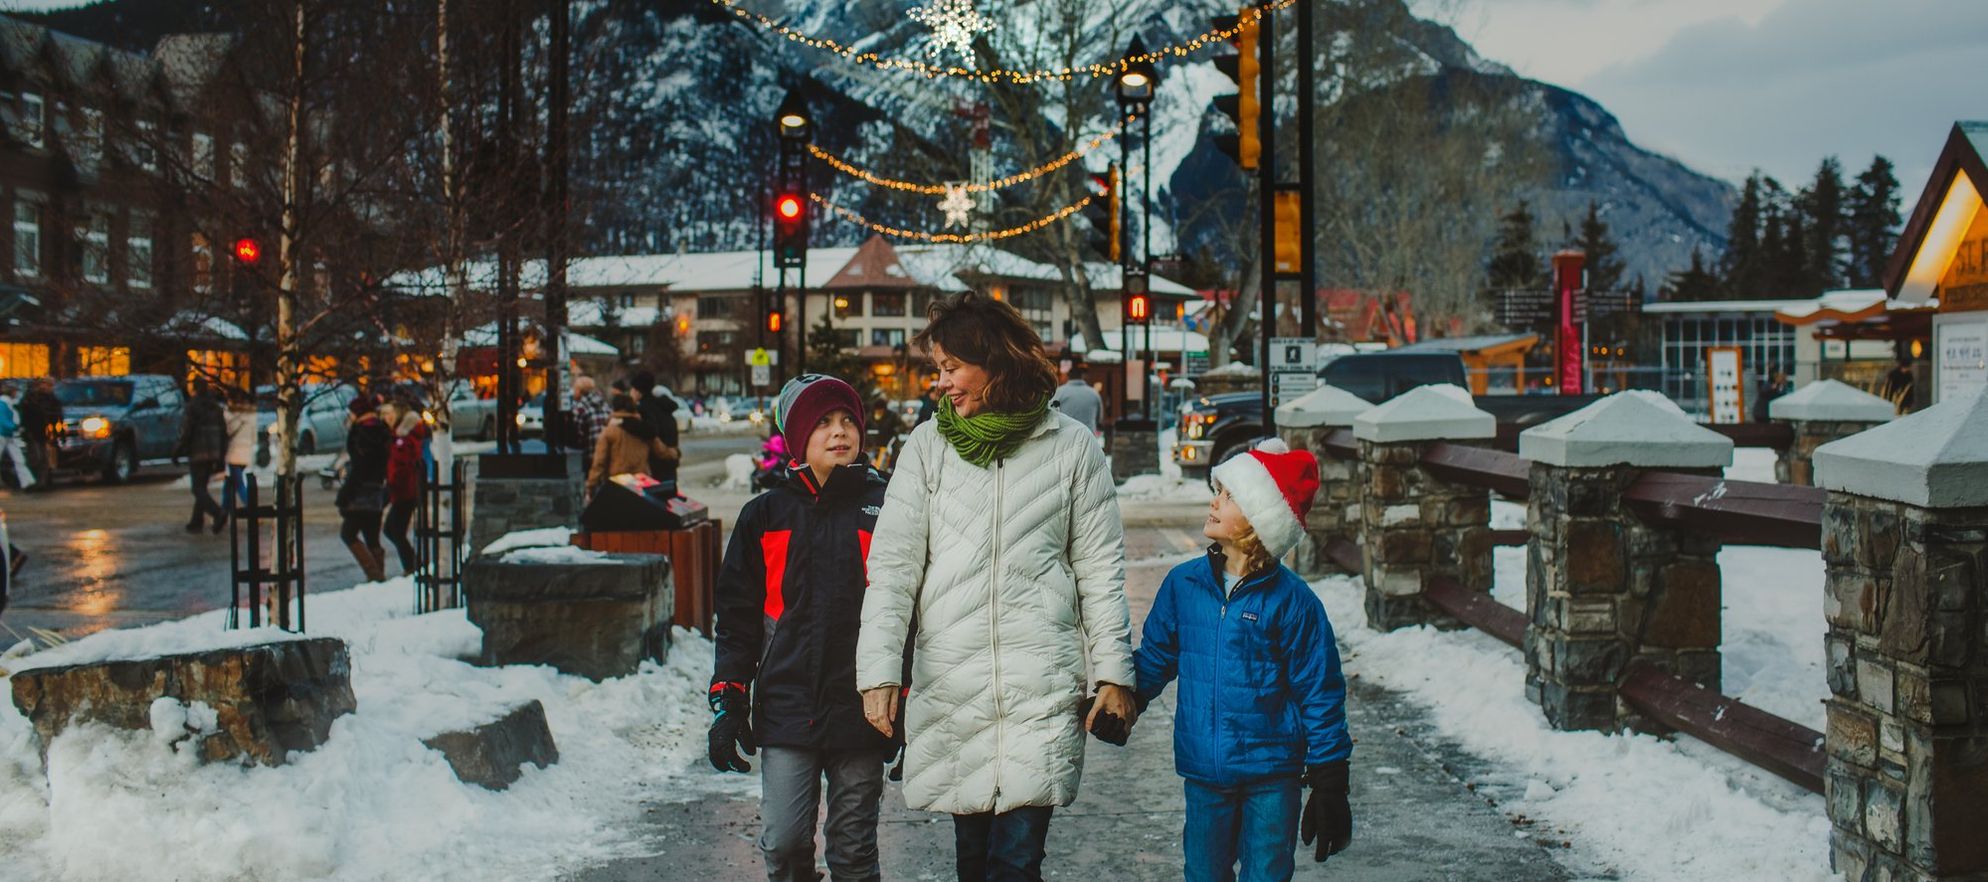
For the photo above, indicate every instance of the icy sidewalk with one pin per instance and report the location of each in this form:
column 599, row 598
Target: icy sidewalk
column 373, row 803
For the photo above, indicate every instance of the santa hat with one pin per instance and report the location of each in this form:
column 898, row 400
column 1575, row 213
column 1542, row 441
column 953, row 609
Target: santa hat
column 1274, row 487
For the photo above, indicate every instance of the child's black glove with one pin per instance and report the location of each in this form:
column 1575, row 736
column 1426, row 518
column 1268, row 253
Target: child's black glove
column 1109, row 728
column 1327, row 818
column 731, row 727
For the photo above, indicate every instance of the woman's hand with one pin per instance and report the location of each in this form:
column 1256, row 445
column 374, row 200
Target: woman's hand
column 1115, row 700
column 880, row 708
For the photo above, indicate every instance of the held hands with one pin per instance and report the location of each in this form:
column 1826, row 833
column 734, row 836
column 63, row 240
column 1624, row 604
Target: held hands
column 1110, row 714
column 880, row 708
column 1327, row 818
column 731, row 727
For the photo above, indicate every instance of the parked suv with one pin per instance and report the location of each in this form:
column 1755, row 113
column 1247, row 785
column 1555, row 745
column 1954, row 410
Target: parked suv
column 111, row 424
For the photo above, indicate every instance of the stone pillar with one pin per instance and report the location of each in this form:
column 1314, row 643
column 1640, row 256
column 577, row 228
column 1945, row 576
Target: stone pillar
column 583, row 612
column 1821, row 412
column 1604, row 589
column 1415, row 526
column 1135, row 449
column 511, row 492
column 1304, row 424
column 1905, row 541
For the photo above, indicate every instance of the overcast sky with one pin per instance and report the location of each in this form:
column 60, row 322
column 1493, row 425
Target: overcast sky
column 1730, row 85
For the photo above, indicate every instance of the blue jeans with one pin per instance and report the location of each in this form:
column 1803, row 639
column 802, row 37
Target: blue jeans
column 1255, row 823
column 1007, row 847
column 235, row 488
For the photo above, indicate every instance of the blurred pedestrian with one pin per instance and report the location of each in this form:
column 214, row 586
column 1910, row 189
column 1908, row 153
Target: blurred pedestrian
column 929, row 407
column 1775, row 387
column 658, row 409
column 363, row 494
column 1898, row 385
column 241, row 449
column 10, row 436
column 590, row 416
column 403, row 478
column 41, row 412
column 627, row 446
column 203, row 440
column 1078, row 401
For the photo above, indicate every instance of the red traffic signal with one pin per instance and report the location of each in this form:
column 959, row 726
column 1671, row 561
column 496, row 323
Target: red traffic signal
column 774, row 321
column 247, row 250
column 788, row 207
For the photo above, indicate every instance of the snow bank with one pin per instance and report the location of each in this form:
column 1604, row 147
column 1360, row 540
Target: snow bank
column 373, row 803
column 548, row 537
column 738, row 471
column 1752, row 464
column 1636, row 808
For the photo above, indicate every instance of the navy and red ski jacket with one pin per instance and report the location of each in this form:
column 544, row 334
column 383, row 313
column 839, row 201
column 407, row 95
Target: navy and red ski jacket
column 790, row 603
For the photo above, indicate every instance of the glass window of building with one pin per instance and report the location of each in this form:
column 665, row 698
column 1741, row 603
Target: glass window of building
column 848, row 304
column 714, row 307
column 203, row 264
column 34, row 119
column 23, row 360
column 138, row 251
column 887, row 304
column 203, row 156
column 96, row 248
column 886, row 337
column 848, row 338
column 144, row 153
column 27, row 238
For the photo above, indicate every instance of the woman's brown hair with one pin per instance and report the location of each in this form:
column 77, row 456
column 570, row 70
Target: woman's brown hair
column 992, row 335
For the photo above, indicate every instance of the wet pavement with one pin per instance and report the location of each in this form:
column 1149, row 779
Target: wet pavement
column 113, row 556
column 1414, row 817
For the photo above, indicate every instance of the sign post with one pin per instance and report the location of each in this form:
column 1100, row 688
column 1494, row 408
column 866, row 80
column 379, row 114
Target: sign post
column 1569, row 337
column 1293, row 368
column 1725, row 374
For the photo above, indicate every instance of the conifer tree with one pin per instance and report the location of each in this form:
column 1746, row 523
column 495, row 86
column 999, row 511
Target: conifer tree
column 1822, row 209
column 1695, row 282
column 1515, row 261
column 1740, row 267
column 1604, row 266
column 1871, row 224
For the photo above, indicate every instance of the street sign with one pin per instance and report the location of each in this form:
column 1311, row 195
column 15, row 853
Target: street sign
column 1293, row 354
column 762, row 357
column 762, row 375
column 1723, row 370
column 1288, row 385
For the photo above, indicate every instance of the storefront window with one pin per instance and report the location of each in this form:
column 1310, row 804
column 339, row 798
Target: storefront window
column 886, row 336
column 221, row 368
column 890, row 305
column 848, row 304
column 103, row 361
column 23, row 360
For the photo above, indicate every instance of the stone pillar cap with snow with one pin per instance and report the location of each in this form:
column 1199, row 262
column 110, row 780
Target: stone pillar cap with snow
column 1936, row 458
column 1324, row 407
column 1426, row 413
column 1831, row 401
column 1637, row 428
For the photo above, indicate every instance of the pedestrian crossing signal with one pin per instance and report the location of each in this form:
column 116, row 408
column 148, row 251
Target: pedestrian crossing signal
column 1138, row 309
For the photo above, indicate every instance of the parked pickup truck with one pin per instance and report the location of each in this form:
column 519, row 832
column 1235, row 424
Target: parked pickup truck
column 111, row 424
column 1216, row 427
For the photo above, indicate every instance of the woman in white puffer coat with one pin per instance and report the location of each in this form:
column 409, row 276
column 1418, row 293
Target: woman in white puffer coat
column 1000, row 553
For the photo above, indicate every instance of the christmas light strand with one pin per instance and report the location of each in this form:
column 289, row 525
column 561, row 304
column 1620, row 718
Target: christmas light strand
column 1247, row 19
column 850, row 169
column 954, row 238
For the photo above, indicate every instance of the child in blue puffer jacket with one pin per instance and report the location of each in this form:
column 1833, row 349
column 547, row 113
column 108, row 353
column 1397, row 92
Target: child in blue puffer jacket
column 1261, row 709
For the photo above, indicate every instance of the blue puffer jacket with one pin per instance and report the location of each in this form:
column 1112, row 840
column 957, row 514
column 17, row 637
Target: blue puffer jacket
column 1261, row 694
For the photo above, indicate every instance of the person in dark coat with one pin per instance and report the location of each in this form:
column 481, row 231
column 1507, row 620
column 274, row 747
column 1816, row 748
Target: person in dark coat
column 789, row 605
column 659, row 411
column 362, row 497
column 203, row 440
column 41, row 411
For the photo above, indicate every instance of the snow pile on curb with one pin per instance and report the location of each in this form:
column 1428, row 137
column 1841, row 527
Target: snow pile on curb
column 1636, row 807
column 373, row 803
column 546, row 537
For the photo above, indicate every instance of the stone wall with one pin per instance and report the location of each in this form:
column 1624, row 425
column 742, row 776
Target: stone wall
column 1134, row 451
column 1335, row 511
column 1907, row 647
column 1795, row 465
column 597, row 619
column 1604, row 590
column 1415, row 527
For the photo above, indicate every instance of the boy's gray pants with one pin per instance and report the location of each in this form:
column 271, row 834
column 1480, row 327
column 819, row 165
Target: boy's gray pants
column 790, row 790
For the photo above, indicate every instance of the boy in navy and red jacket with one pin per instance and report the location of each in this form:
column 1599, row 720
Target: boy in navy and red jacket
column 789, row 606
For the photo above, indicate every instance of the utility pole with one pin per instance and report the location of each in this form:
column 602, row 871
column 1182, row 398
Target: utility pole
column 1266, row 47
column 1307, row 182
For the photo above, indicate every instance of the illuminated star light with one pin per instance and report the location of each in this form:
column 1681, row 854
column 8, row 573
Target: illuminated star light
column 957, row 205
column 954, row 24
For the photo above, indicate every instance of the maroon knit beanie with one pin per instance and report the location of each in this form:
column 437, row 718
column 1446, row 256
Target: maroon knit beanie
column 805, row 400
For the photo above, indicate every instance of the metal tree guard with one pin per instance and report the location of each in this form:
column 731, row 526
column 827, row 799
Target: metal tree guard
column 282, row 578
column 438, row 579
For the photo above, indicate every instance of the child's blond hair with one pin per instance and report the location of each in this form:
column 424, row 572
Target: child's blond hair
column 1256, row 558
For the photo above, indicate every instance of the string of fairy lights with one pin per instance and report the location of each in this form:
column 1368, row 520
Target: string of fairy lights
column 954, row 23
column 953, row 238
column 1182, row 49
column 1022, row 177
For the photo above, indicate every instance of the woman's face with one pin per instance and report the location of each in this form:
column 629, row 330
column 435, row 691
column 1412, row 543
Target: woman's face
column 965, row 384
column 1225, row 518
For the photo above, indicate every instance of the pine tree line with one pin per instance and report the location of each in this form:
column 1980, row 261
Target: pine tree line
column 1781, row 245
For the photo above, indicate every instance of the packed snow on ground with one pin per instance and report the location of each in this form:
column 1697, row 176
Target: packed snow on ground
column 372, row 803
column 723, row 427
column 1636, row 808
column 265, row 476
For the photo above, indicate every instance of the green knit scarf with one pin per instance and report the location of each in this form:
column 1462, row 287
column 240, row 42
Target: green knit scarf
column 989, row 435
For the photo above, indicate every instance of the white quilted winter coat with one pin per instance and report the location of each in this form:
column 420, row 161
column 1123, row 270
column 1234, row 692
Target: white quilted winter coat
column 1017, row 577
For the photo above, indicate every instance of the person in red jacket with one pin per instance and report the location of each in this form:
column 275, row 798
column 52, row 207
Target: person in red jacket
column 410, row 433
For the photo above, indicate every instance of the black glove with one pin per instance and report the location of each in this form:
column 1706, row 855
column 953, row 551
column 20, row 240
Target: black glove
column 731, row 727
column 1328, row 818
column 1110, row 728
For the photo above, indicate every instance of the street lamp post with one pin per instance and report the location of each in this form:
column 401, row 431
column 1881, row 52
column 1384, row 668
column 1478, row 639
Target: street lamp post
column 1138, row 81
column 790, row 241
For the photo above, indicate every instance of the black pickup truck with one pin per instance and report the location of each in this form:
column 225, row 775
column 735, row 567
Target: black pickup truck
column 1216, row 427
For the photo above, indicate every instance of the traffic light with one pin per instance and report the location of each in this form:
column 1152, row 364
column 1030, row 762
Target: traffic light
column 1287, row 212
column 1106, row 236
column 1242, row 107
column 790, row 229
column 247, row 251
column 775, row 320
column 1137, row 299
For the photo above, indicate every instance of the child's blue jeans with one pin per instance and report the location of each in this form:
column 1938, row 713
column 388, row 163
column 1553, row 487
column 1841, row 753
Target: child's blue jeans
column 1255, row 823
